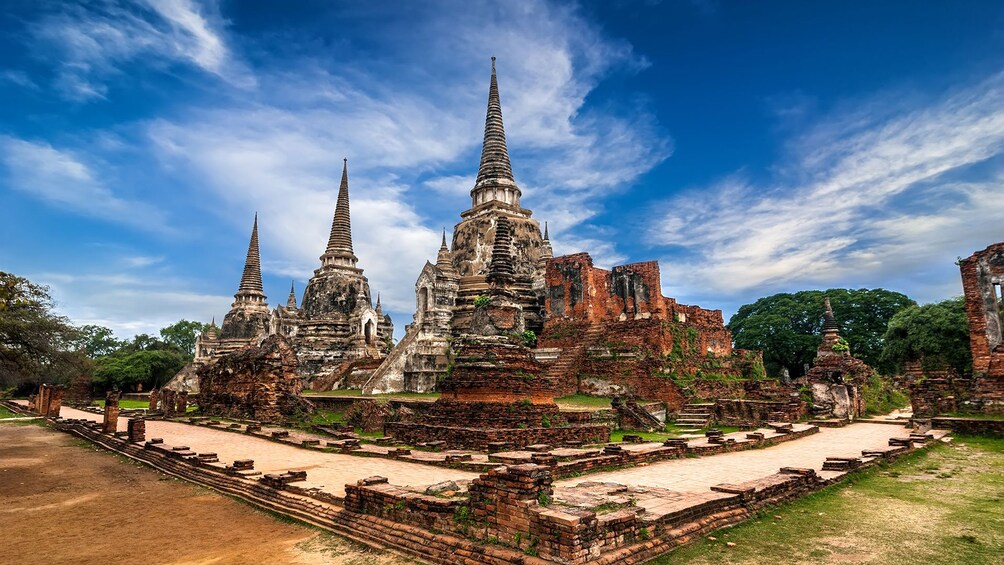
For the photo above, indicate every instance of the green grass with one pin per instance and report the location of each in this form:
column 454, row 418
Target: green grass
column 584, row 401
column 992, row 417
column 5, row 413
column 126, row 403
column 618, row 435
column 938, row 506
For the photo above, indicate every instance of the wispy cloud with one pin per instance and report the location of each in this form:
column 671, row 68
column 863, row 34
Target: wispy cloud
column 281, row 153
column 63, row 178
column 865, row 196
column 94, row 41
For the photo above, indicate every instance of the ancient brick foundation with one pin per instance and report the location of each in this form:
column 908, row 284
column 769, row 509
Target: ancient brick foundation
column 258, row 383
column 137, row 430
column 81, row 391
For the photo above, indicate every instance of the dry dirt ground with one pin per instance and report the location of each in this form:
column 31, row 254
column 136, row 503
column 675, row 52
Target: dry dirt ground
column 65, row 501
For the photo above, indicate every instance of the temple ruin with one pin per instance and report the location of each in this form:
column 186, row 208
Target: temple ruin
column 336, row 331
column 836, row 376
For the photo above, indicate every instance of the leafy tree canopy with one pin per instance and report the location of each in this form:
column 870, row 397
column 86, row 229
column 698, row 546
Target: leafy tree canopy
column 36, row 345
column 126, row 368
column 937, row 335
column 787, row 326
column 97, row 340
column 182, row 334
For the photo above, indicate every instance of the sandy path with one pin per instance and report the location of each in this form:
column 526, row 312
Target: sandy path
column 64, row 501
column 328, row 471
column 699, row 474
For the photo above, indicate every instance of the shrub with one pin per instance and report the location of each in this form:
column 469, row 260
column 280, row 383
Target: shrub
column 482, row 301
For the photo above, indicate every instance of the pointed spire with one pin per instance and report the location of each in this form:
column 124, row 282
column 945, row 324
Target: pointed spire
column 500, row 270
column 444, row 261
column 291, row 301
column 250, row 290
column 495, row 171
column 379, row 310
column 339, row 250
column 829, row 320
column 546, row 252
column 251, row 279
column 212, row 332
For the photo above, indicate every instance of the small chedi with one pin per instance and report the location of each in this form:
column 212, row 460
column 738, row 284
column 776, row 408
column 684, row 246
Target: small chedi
column 257, row 383
column 496, row 391
column 934, row 391
column 336, row 331
column 836, row 376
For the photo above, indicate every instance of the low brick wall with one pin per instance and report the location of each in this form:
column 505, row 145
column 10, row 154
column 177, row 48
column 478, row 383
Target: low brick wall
column 741, row 411
column 509, row 508
column 479, row 438
column 971, row 426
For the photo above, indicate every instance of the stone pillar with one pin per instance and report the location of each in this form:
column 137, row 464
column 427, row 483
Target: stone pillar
column 56, row 400
column 111, row 420
column 137, row 430
column 181, row 405
column 154, row 399
column 42, row 402
column 167, row 400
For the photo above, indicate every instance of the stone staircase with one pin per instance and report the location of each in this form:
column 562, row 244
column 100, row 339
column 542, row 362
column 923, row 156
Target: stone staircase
column 695, row 416
column 570, row 357
column 389, row 376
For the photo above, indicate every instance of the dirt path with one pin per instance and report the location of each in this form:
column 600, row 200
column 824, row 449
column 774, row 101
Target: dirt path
column 64, row 501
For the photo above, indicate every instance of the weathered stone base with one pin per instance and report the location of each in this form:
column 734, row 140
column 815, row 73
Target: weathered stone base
column 478, row 438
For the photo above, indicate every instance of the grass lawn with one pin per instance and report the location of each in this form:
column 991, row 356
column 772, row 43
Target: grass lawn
column 583, row 401
column 939, row 506
column 5, row 413
column 123, row 403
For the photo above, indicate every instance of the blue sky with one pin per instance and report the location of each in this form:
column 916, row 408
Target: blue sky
column 750, row 147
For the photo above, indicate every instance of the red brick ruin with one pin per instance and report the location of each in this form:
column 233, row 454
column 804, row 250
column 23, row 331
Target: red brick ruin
column 934, row 392
column 48, row 401
column 110, row 422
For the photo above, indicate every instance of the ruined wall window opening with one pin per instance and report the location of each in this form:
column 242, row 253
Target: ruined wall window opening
column 369, row 331
column 999, row 303
column 423, row 301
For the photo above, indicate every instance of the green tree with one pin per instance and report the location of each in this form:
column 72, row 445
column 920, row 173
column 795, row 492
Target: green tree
column 182, row 334
column 35, row 343
column 96, row 340
column 126, row 368
column 787, row 326
column 937, row 335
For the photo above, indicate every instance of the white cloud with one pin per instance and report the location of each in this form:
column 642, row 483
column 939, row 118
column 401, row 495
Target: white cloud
column 865, row 197
column 281, row 154
column 95, row 40
column 63, row 179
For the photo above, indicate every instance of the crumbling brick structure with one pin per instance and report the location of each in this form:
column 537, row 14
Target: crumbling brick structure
column 497, row 391
column 982, row 280
column 836, row 376
column 48, row 401
column 81, row 391
column 259, row 383
column 614, row 332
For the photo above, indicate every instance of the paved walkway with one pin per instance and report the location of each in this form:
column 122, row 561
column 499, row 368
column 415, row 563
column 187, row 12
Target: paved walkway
column 699, row 474
column 331, row 471
column 327, row 471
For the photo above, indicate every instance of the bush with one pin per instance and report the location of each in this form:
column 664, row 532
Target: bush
column 482, row 301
